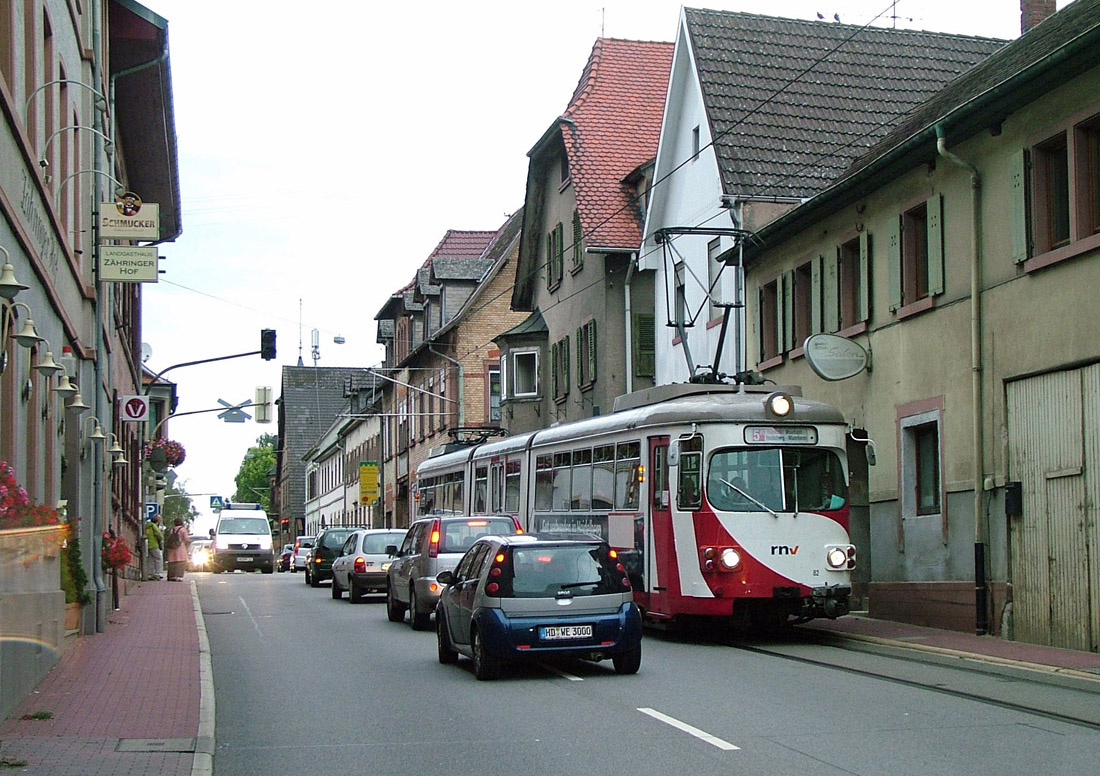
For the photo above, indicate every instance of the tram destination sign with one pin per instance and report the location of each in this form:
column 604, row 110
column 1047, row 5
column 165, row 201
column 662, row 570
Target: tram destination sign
column 780, row 435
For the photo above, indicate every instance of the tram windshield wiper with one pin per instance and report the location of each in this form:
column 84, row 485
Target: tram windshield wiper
column 760, row 504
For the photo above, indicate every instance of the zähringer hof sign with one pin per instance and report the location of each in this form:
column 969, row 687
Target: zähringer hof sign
column 128, row 218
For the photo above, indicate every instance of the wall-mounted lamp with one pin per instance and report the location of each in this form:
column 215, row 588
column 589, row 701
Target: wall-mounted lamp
column 46, row 365
column 9, row 286
column 115, row 448
column 97, row 432
column 119, row 188
column 77, row 405
column 64, row 387
column 28, row 337
column 108, row 144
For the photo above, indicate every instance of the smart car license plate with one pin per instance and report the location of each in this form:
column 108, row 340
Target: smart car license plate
column 558, row 632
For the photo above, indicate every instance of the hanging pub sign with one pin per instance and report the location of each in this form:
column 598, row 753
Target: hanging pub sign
column 127, row 264
column 128, row 218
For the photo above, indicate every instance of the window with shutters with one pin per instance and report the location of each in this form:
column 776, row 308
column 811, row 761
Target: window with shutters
column 578, row 243
column 714, row 272
column 586, row 355
column 1056, row 193
column 555, row 258
column 494, row 392
column 559, row 369
column 645, row 344
column 853, row 286
column 804, row 307
column 768, row 320
column 915, row 258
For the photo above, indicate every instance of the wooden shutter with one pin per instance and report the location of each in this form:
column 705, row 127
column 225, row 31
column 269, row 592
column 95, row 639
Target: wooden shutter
column 815, row 294
column 934, row 208
column 786, row 312
column 1018, row 183
column 554, row 370
column 565, row 366
column 591, row 355
column 830, row 291
column 578, row 236
column 893, row 263
column 864, row 275
column 559, row 252
column 645, row 337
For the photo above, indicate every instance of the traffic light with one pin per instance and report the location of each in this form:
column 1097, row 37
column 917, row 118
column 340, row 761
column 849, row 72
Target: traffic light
column 267, row 344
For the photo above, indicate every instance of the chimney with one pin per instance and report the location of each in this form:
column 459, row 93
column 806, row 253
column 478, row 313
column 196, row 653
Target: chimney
column 1034, row 11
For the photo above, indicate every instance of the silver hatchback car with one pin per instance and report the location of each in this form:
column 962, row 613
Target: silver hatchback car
column 361, row 565
column 432, row 545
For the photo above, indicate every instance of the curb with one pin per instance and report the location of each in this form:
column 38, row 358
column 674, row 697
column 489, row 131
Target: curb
column 203, row 763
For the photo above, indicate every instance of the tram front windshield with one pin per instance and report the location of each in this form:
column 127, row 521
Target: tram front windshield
column 776, row 479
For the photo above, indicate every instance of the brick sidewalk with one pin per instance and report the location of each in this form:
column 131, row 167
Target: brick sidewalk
column 126, row 701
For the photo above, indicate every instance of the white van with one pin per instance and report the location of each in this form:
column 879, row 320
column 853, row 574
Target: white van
column 242, row 540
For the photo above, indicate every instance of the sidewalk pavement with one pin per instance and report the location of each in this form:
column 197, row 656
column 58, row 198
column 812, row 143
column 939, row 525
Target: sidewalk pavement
column 136, row 699
column 139, row 698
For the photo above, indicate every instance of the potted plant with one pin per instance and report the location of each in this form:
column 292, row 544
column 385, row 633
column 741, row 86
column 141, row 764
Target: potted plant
column 173, row 451
column 74, row 580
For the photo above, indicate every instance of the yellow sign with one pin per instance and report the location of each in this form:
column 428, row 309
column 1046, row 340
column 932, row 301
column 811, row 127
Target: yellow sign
column 368, row 482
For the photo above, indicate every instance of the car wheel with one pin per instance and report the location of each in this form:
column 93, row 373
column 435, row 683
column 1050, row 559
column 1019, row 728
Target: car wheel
column 447, row 653
column 420, row 620
column 628, row 662
column 486, row 665
column 395, row 610
column 312, row 580
column 355, row 595
column 268, row 570
column 337, row 591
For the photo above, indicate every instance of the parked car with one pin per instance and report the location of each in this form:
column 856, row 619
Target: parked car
column 284, row 557
column 200, row 555
column 432, row 545
column 325, row 546
column 302, row 547
column 361, row 566
column 531, row 597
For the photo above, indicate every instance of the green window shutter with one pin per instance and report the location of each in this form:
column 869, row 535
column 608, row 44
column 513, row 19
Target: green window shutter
column 550, row 260
column 815, row 294
column 893, row 263
column 554, row 370
column 864, row 275
column 761, row 345
column 1019, row 243
column 592, row 351
column 559, row 255
column 645, row 338
column 565, row 366
column 580, row 355
column 830, row 291
column 578, row 236
column 786, row 304
column 935, row 244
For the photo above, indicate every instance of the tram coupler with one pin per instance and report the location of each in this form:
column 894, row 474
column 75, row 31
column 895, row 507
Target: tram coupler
column 831, row 601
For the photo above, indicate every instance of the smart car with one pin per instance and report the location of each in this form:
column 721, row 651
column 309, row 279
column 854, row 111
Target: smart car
column 528, row 597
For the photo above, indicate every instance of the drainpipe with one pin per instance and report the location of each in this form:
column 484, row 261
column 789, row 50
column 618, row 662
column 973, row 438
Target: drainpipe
column 981, row 586
column 629, row 329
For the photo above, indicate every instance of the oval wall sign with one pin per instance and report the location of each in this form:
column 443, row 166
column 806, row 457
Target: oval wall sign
column 834, row 358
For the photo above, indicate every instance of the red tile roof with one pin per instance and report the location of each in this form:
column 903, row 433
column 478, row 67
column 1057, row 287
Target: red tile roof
column 456, row 244
column 616, row 112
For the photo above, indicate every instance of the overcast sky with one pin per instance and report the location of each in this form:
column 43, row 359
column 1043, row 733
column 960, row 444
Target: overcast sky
column 322, row 157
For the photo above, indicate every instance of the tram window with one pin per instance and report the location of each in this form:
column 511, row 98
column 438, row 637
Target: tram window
column 581, row 498
column 775, row 480
column 496, row 491
column 688, row 494
column 427, row 498
column 603, row 477
column 481, row 484
column 820, row 481
column 627, row 464
column 511, row 487
column 563, row 470
column 544, row 483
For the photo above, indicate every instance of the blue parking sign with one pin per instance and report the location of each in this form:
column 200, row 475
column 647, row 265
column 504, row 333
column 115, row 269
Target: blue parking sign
column 152, row 509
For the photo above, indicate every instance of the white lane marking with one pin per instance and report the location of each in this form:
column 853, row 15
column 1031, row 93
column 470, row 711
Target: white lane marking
column 248, row 611
column 561, row 673
column 694, row 731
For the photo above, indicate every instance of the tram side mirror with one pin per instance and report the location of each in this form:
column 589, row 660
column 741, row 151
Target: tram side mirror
column 674, row 453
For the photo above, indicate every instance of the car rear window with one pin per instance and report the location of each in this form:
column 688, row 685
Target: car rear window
column 376, row 544
column 546, row 570
column 460, row 535
column 334, row 540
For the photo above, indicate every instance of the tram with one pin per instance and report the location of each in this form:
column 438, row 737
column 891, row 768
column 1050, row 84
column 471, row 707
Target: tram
column 720, row 500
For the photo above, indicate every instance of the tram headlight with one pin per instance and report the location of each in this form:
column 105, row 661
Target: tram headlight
column 778, row 404
column 837, row 557
column 730, row 558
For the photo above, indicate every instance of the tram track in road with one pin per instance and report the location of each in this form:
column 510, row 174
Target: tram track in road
column 1021, row 690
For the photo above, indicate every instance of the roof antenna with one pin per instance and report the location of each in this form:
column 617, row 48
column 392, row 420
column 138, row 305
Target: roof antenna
column 300, row 332
column 603, row 19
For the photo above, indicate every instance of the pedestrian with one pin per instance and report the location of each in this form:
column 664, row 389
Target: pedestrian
column 176, row 542
column 154, row 547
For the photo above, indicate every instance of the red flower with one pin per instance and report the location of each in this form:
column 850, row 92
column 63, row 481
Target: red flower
column 116, row 553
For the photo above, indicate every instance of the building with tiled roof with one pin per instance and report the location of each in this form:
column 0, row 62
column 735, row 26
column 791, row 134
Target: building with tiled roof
column 581, row 229
column 762, row 113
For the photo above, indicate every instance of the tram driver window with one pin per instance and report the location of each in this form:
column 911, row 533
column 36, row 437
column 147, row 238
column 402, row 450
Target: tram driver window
column 689, row 494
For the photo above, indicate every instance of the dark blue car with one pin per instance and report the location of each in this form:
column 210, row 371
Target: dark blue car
column 529, row 597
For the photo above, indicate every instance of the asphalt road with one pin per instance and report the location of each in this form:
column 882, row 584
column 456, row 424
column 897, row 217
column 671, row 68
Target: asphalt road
column 305, row 684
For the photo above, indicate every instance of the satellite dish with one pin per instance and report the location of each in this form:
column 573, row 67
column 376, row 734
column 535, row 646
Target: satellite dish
column 835, row 358
column 146, row 352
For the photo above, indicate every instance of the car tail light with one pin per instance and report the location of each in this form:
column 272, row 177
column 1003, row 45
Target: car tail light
column 360, row 565
column 433, row 540
column 519, row 528
column 477, row 523
column 495, row 572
